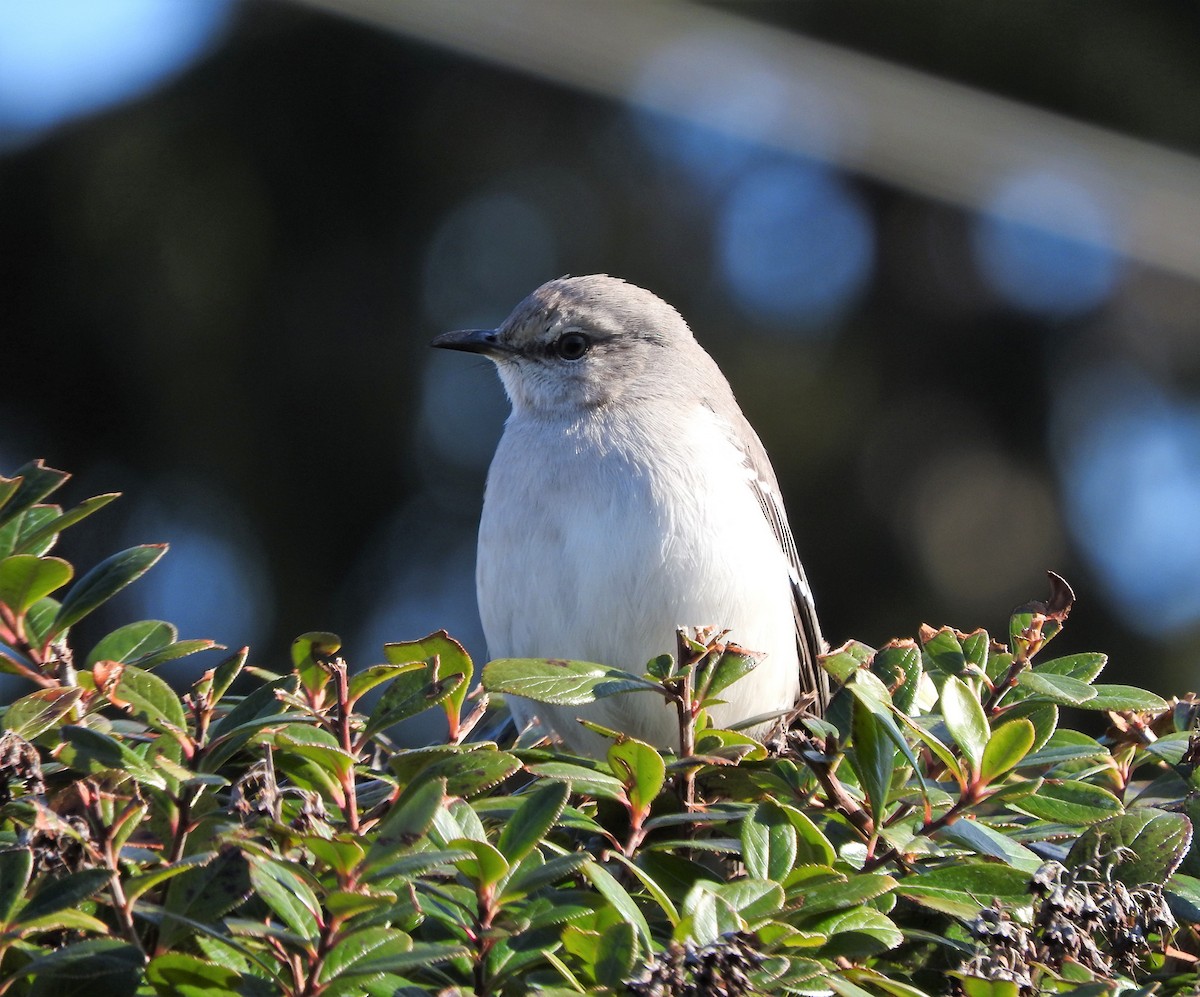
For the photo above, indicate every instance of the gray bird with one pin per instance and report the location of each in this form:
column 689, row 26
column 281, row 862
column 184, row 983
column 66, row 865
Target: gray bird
column 629, row 496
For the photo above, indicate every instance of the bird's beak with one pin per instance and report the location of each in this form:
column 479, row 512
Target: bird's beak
column 470, row 341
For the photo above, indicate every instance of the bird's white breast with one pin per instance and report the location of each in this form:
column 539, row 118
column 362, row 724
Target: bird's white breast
column 631, row 534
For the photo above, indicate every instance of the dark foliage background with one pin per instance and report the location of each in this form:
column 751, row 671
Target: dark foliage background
column 217, row 297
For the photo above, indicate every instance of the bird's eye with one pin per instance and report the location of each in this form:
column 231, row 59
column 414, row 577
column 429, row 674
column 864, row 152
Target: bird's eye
column 572, row 345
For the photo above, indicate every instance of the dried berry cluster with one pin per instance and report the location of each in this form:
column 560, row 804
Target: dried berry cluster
column 688, row 970
column 1081, row 914
column 20, row 764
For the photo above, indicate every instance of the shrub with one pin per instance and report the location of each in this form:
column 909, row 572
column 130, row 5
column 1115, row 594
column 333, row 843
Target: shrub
column 261, row 834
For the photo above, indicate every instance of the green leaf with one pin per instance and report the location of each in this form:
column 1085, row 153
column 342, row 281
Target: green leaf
column 151, row 698
column 413, row 689
column 408, row 821
column 104, row 581
column 853, row 892
column 39, row 619
column 529, row 879
column 1156, row 842
column 16, row 866
column 721, row 671
column 91, row 752
column 1043, row 716
column 24, row 579
column 36, row 713
column 287, row 894
column 961, row 889
column 33, row 482
column 616, row 895
column 640, row 768
column 1084, row 667
column 84, row 969
column 174, row 974
column 1065, row 746
column 858, row 934
column 1005, row 749
column 467, row 772
column 360, row 953
column 132, row 641
column 944, row 654
column 1069, row 802
column 137, row 886
column 451, row 660
column 317, row 744
column 65, row 891
column 486, row 866
column 1060, row 689
column 582, row 780
column 536, row 815
column 898, row 665
column 241, row 723
column 769, row 842
column 204, row 894
column 1120, row 698
column 965, row 719
column 22, row 525
column 976, row 986
column 48, row 531
column 873, row 758
column 562, row 683
column 978, row 837
column 309, row 652
column 618, row 951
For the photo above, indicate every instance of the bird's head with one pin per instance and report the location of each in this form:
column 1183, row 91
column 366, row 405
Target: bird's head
column 579, row 343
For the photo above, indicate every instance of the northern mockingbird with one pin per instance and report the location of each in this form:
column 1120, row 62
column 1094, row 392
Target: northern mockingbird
column 629, row 496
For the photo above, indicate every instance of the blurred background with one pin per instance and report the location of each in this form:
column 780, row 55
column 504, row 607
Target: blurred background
column 948, row 256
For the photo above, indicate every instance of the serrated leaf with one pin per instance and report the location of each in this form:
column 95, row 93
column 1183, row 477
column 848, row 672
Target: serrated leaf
column 413, row 689
column 24, row 579
column 898, row 665
column 533, row 819
column 842, row 895
column 583, row 780
column 1144, row 845
column 1084, row 667
column 287, row 894
column 36, row 713
column 731, row 665
column 964, row 718
column 963, row 888
column 1065, row 746
column 317, row 744
column 1007, row 746
column 137, row 886
column 1120, row 698
column 361, row 952
column 151, row 698
column 618, row 951
column 769, row 842
column 451, row 660
column 559, row 682
column 467, row 773
column 1043, row 716
column 641, row 770
column 529, row 880
column 91, row 751
column 1067, row 801
column 104, row 581
column 857, row 934
column 408, row 821
column 1060, row 689
column 943, row 654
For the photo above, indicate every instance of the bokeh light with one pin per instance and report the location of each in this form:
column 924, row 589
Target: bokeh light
column 63, row 58
column 1047, row 244
column 1129, row 458
column 796, row 246
column 486, row 255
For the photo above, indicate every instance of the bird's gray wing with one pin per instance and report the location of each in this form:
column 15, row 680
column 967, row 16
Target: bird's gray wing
column 810, row 643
